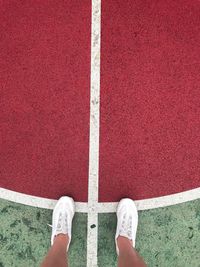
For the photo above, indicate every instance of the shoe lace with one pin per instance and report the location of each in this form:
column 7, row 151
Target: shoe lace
column 126, row 226
column 62, row 223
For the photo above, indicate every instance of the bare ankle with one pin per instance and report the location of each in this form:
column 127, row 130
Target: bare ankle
column 124, row 239
column 62, row 239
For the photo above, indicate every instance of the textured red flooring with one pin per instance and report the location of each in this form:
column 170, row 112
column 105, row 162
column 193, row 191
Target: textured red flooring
column 150, row 111
column 44, row 111
column 150, row 93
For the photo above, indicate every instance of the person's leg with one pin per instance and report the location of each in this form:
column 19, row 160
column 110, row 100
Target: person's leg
column 127, row 221
column 61, row 233
column 57, row 255
column 128, row 256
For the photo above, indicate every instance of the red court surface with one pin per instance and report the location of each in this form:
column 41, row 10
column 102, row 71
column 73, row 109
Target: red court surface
column 150, row 111
column 150, row 98
column 45, row 88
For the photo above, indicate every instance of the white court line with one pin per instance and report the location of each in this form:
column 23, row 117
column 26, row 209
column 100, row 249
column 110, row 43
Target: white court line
column 153, row 203
column 93, row 179
column 102, row 207
column 38, row 202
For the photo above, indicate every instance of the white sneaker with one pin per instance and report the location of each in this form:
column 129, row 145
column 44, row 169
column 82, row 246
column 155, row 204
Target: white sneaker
column 127, row 221
column 63, row 214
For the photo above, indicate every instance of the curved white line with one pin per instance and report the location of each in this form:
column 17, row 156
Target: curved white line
column 157, row 202
column 102, row 207
column 38, row 202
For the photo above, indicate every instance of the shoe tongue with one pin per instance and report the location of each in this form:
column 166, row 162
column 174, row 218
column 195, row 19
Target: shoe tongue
column 127, row 222
column 62, row 226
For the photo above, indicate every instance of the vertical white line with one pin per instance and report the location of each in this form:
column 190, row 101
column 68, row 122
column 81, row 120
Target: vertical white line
column 92, row 235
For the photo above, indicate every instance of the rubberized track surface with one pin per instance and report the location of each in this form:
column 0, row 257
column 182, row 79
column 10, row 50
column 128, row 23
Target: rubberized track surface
column 150, row 123
column 45, row 76
column 150, row 112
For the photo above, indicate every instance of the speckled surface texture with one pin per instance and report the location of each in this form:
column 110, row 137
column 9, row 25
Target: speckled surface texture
column 25, row 236
column 150, row 123
column 167, row 237
column 45, row 96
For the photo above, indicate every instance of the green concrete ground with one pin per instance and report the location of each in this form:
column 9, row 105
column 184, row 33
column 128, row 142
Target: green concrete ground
column 167, row 237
